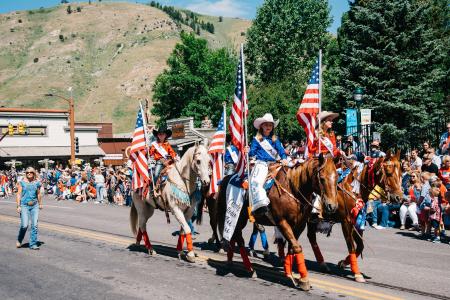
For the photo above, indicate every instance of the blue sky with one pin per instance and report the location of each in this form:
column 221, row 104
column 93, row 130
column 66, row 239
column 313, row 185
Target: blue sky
column 229, row 8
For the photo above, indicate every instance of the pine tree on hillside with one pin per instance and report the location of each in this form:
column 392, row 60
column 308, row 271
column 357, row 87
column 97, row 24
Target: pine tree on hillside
column 394, row 50
column 285, row 38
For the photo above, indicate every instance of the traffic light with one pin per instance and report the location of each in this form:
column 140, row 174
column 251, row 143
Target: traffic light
column 10, row 129
column 21, row 128
column 77, row 146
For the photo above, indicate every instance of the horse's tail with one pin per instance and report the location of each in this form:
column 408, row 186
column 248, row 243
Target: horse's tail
column 221, row 206
column 201, row 204
column 133, row 219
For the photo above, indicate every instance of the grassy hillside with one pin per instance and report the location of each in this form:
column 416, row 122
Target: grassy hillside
column 110, row 53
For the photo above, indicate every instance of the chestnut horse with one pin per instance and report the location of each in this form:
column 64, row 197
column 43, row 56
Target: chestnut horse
column 290, row 207
column 387, row 175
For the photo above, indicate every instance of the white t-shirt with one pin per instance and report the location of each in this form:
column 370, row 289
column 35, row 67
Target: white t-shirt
column 99, row 178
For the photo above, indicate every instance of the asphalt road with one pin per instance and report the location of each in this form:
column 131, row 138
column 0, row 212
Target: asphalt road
column 87, row 252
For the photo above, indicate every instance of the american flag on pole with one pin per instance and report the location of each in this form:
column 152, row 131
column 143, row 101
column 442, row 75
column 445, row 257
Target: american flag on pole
column 239, row 112
column 138, row 155
column 309, row 108
column 217, row 150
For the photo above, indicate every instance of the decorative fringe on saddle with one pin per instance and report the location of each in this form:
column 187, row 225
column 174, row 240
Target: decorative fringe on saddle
column 180, row 196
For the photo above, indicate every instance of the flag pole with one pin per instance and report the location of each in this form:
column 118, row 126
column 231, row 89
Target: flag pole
column 244, row 113
column 225, row 136
column 320, row 94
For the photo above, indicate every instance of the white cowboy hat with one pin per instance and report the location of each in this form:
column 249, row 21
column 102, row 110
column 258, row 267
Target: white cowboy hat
column 267, row 118
column 327, row 115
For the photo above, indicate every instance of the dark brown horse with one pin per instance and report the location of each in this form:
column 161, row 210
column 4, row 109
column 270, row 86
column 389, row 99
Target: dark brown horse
column 387, row 175
column 290, row 207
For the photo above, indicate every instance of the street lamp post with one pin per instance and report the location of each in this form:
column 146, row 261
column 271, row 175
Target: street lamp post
column 357, row 96
column 71, row 122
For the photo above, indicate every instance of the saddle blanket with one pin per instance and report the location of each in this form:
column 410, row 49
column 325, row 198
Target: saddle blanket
column 235, row 201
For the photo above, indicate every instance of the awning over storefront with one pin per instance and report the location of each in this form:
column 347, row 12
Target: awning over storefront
column 48, row 152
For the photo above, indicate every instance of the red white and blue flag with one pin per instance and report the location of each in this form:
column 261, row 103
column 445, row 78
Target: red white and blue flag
column 239, row 112
column 138, row 154
column 309, row 108
column 217, row 150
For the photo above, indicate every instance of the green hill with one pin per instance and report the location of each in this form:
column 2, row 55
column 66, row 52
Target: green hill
column 110, row 53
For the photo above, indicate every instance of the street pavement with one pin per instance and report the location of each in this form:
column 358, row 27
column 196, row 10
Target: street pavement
column 87, row 252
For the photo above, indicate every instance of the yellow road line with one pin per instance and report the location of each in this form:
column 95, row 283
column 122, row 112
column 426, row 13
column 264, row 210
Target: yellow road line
column 109, row 238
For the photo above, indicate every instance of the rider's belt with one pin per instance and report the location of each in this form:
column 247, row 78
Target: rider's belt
column 31, row 203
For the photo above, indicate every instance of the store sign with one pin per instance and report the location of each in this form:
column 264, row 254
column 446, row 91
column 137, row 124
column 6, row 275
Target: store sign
column 178, row 131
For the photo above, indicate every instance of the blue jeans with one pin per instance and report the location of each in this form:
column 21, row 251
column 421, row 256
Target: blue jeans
column 383, row 209
column 254, row 236
column 100, row 187
column 27, row 213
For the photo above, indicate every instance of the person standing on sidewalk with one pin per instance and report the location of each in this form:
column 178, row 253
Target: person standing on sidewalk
column 99, row 185
column 29, row 202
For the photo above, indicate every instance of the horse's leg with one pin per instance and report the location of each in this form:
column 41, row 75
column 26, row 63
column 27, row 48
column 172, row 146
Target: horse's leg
column 243, row 252
column 230, row 251
column 287, row 232
column 139, row 237
column 312, row 237
column 212, row 208
column 179, row 215
column 347, row 229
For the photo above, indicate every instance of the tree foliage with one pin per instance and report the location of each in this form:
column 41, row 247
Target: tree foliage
column 285, row 37
column 196, row 83
column 397, row 50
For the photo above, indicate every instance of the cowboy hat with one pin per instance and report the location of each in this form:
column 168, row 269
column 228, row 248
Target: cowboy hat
column 162, row 129
column 327, row 115
column 375, row 143
column 267, row 118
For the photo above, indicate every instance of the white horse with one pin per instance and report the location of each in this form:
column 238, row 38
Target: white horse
column 177, row 195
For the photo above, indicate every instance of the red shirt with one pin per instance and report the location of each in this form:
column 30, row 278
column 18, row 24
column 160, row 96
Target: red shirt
column 444, row 175
column 157, row 156
column 323, row 149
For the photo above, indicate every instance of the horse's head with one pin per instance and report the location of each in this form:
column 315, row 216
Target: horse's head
column 325, row 183
column 200, row 163
column 392, row 176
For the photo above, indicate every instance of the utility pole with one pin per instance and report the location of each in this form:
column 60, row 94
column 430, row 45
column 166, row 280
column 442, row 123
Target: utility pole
column 71, row 123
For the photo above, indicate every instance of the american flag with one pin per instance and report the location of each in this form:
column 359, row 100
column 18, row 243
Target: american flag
column 309, row 108
column 138, row 155
column 217, row 150
column 238, row 113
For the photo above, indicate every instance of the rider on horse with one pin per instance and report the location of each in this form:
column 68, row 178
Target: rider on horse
column 231, row 156
column 327, row 142
column 266, row 148
column 161, row 151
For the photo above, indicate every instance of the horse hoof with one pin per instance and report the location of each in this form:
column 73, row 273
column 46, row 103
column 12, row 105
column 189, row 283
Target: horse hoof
column 341, row 264
column 252, row 274
column 221, row 251
column 303, row 284
column 211, row 241
column 293, row 280
column 190, row 257
column 324, row 267
column 151, row 251
column 360, row 278
column 180, row 255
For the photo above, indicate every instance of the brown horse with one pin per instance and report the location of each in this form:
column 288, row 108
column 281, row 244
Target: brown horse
column 387, row 174
column 290, row 207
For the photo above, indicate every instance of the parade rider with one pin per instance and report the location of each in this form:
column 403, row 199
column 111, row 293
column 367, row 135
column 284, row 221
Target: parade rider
column 266, row 148
column 161, row 151
column 231, row 157
column 324, row 144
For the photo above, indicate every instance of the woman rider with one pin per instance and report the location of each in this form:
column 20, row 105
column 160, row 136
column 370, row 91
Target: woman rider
column 266, row 148
column 327, row 147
